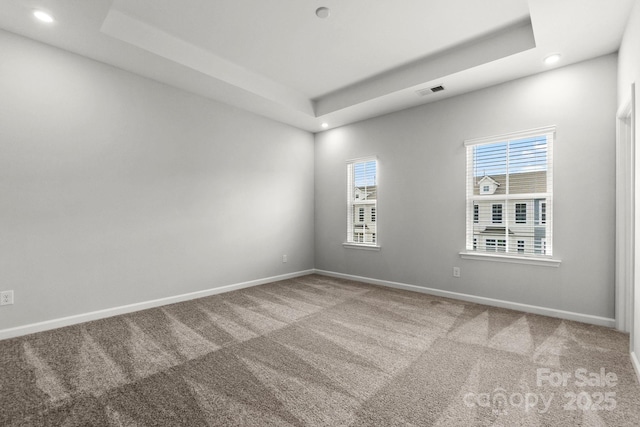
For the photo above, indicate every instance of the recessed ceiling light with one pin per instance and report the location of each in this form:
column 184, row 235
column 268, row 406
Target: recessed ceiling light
column 325, row 125
column 552, row 59
column 323, row 12
column 43, row 16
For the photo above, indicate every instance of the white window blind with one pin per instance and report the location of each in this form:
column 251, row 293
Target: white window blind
column 362, row 200
column 510, row 193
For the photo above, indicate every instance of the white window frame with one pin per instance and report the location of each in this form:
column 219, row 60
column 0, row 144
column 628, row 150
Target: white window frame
column 534, row 259
column 501, row 213
column 515, row 212
column 352, row 203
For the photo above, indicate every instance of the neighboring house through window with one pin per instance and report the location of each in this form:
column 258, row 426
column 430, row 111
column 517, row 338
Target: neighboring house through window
column 510, row 193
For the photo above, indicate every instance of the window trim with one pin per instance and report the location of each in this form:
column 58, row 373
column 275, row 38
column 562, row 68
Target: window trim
column 511, row 259
column 532, row 259
column 352, row 205
column 367, row 247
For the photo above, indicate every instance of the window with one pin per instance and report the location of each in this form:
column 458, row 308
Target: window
column 492, row 245
column 496, row 214
column 540, row 211
column 521, row 213
column 519, row 167
column 362, row 196
column 485, row 189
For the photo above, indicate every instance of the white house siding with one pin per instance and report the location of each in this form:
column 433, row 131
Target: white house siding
column 532, row 232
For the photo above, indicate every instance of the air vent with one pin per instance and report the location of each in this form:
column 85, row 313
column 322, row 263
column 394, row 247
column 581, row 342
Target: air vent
column 429, row 91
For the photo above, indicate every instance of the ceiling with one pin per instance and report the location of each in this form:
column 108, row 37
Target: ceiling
column 279, row 60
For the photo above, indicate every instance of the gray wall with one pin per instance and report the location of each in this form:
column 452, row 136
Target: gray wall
column 629, row 72
column 421, row 207
column 115, row 189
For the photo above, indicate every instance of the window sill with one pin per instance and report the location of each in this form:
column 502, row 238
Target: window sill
column 543, row 262
column 361, row 246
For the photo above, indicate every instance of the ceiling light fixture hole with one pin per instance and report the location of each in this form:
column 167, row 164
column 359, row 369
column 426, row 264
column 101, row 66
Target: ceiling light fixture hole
column 323, row 12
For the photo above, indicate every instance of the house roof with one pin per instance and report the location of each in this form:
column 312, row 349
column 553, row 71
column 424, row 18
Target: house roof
column 488, row 178
column 495, row 230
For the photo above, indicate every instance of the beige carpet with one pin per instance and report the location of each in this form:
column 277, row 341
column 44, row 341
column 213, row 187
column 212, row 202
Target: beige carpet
column 320, row 351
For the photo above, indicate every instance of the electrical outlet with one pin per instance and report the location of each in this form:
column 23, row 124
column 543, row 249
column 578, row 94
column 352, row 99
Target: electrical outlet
column 6, row 297
column 456, row 271
column 284, row 258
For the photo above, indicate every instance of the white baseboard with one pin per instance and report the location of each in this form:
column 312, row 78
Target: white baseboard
column 544, row 311
column 109, row 312
column 130, row 308
column 636, row 364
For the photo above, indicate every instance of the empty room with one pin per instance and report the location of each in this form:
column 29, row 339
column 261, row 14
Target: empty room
column 319, row 212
